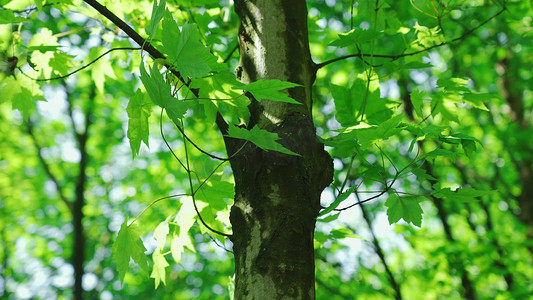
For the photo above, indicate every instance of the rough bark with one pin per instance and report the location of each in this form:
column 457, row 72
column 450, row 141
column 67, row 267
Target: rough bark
column 277, row 195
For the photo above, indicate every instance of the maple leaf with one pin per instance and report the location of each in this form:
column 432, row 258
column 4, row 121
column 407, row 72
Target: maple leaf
column 269, row 89
column 160, row 263
column 261, row 138
column 129, row 245
column 138, row 113
column 404, row 208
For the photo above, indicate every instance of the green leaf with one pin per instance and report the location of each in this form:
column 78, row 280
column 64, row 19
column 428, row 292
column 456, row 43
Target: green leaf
column 100, row 69
column 343, row 196
column 461, row 194
column 416, row 65
column 61, row 63
column 469, row 147
column 160, row 93
column 439, row 153
column 178, row 244
column 45, row 38
column 160, row 234
column 417, row 98
column 342, row 233
column 468, row 143
column 261, row 138
column 7, row 17
column 185, row 51
column 355, row 36
column 215, row 191
column 22, row 101
column 43, row 48
column 346, row 104
column 138, row 109
column 329, row 218
column 157, row 14
column 269, row 89
column 128, row 244
column 405, row 208
column 422, row 175
column 453, row 84
column 367, row 136
column 477, row 100
column 160, row 264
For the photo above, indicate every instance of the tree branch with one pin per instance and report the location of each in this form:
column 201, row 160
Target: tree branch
column 154, row 53
column 381, row 254
column 46, row 167
column 81, row 68
column 398, row 56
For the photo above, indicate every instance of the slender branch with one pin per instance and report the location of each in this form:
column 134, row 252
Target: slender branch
column 47, row 169
column 153, row 203
column 231, row 53
column 81, row 68
column 147, row 46
column 166, row 143
column 197, row 147
column 381, row 254
column 126, row 28
column 193, row 193
column 398, row 56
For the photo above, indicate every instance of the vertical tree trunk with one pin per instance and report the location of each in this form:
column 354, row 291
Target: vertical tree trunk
column 277, row 195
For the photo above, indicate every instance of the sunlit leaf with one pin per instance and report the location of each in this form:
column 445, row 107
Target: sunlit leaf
column 184, row 48
column 160, row 234
column 7, row 17
column 157, row 14
column 159, row 270
column 355, row 36
column 269, row 89
column 461, row 194
column 129, row 245
column 101, row 69
column 340, row 198
column 261, row 138
column 406, row 208
column 139, row 108
column 160, row 93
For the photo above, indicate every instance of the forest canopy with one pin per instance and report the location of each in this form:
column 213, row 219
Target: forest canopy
column 216, row 149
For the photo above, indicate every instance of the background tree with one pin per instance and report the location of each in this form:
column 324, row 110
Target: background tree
column 404, row 99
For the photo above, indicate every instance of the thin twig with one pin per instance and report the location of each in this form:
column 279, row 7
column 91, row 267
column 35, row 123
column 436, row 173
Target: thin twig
column 398, row 56
column 154, row 53
column 192, row 189
column 81, row 68
column 166, row 143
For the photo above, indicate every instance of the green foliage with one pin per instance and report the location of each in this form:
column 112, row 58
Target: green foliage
column 129, row 245
column 406, row 208
column 157, row 14
column 340, row 198
column 261, row 138
column 138, row 109
column 446, row 129
column 184, row 49
column 159, row 92
column 7, row 17
column 269, row 89
column 355, row 36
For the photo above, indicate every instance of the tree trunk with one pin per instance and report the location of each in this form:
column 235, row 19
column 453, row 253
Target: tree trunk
column 277, row 196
